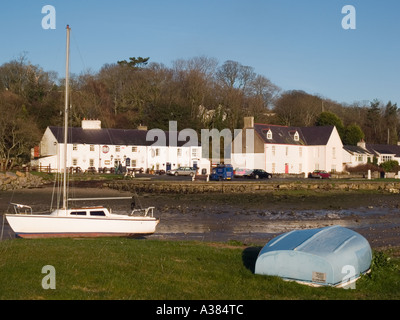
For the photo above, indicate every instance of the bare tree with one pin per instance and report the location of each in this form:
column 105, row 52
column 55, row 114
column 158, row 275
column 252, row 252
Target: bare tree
column 16, row 137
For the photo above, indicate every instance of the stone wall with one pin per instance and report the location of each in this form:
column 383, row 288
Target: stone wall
column 19, row 180
column 184, row 187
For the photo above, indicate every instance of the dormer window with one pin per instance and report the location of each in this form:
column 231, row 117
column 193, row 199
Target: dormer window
column 296, row 136
column 269, row 134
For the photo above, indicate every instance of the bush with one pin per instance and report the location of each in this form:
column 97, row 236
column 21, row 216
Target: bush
column 390, row 166
column 363, row 168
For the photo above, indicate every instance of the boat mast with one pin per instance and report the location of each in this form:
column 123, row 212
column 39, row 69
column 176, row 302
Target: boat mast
column 65, row 197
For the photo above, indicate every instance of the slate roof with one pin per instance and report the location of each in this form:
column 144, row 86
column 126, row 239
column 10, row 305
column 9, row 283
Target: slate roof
column 127, row 137
column 356, row 149
column 285, row 135
column 377, row 149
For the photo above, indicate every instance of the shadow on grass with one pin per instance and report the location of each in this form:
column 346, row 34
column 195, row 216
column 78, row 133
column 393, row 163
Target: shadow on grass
column 249, row 257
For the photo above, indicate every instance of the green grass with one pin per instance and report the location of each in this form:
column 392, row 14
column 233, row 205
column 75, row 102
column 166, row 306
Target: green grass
column 159, row 270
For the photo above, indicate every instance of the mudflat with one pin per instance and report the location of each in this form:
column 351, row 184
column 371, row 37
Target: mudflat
column 251, row 218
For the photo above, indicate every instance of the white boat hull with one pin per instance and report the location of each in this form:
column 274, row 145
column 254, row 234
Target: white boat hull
column 51, row 226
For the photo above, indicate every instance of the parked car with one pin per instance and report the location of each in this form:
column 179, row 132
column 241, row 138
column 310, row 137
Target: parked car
column 259, row 174
column 238, row 172
column 319, row 174
column 183, row 171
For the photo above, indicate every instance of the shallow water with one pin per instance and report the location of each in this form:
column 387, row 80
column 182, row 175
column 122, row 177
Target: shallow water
column 184, row 219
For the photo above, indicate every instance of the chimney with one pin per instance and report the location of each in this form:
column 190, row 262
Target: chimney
column 140, row 127
column 91, row 124
column 248, row 122
column 361, row 144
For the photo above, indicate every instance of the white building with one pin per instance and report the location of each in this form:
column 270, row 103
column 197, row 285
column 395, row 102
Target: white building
column 91, row 146
column 382, row 152
column 356, row 155
column 281, row 149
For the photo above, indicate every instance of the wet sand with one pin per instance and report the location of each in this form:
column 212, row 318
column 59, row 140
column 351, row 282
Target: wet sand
column 248, row 218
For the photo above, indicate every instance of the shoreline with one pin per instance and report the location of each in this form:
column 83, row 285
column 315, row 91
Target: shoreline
column 247, row 218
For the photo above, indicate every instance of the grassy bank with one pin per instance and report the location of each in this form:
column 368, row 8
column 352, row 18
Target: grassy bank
column 152, row 269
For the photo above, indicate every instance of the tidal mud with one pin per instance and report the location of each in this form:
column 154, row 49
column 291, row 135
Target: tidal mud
column 247, row 218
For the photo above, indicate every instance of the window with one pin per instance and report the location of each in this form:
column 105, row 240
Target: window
column 300, row 152
column 157, row 152
column 75, row 147
column 74, row 162
column 97, row 213
column 273, row 167
column 287, row 151
column 133, row 163
column 386, row 158
column 296, row 136
column 91, row 147
column 269, row 134
column 134, row 149
column 78, row 213
column 91, row 162
column 273, row 151
column 179, row 152
column 194, row 153
column 117, row 149
column 333, row 153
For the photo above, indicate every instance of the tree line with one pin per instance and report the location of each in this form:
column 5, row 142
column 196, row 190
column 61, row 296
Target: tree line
column 198, row 93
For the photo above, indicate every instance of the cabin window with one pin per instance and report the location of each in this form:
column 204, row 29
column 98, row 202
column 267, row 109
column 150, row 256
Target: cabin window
column 97, row 213
column 78, row 213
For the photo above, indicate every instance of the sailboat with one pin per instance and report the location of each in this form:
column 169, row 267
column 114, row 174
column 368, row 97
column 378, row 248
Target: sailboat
column 82, row 221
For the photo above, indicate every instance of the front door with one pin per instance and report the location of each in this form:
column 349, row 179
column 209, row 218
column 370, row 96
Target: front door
column 286, row 168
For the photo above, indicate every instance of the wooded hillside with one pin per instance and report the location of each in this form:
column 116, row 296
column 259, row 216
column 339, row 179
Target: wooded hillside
column 197, row 93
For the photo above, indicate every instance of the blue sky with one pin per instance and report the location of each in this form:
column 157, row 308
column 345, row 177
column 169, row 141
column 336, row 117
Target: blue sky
column 297, row 44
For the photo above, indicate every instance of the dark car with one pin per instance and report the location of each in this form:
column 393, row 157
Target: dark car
column 319, row 174
column 259, row 174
